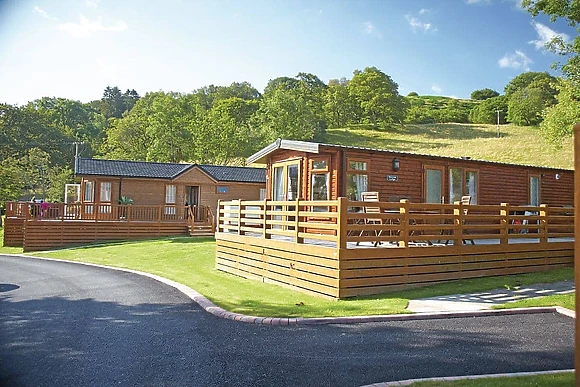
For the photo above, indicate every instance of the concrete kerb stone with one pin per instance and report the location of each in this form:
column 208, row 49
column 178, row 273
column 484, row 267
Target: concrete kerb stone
column 410, row 382
column 215, row 310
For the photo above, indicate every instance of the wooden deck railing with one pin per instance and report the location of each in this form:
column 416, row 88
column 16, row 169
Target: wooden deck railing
column 108, row 212
column 403, row 224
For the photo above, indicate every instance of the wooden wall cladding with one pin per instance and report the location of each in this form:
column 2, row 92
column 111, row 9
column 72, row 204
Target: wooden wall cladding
column 13, row 232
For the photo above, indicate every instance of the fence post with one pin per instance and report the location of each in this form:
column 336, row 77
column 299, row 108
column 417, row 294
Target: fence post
column 342, row 223
column 458, row 222
column 404, row 223
column 543, row 230
column 265, row 234
column 504, row 224
column 240, row 217
column 297, row 222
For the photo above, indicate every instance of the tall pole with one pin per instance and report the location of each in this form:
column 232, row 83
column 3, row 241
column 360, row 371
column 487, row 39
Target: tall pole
column 498, row 122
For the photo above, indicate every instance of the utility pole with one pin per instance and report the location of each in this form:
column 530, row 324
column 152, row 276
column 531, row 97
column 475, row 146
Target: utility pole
column 498, row 111
column 77, row 154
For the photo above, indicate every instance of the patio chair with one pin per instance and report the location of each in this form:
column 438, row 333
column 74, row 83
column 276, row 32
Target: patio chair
column 371, row 197
column 466, row 200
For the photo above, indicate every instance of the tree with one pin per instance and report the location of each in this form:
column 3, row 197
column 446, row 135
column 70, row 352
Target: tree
column 378, row 97
column 339, row 105
column 569, row 10
column 285, row 114
column 483, row 94
column 413, row 94
column 228, row 133
column 560, row 118
column 486, row 111
column 539, row 79
column 525, row 106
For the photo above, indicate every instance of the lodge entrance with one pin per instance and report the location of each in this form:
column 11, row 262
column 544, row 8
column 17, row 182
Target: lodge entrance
column 192, row 197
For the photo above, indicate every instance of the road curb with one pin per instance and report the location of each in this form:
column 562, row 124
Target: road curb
column 215, row 310
column 410, row 382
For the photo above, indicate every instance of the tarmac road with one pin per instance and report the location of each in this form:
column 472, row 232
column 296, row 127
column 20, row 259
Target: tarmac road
column 64, row 324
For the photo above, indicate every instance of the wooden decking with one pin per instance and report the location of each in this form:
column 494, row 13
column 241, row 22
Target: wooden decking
column 33, row 228
column 336, row 253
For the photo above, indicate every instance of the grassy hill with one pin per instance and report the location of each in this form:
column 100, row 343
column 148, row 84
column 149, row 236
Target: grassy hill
column 520, row 145
column 431, row 109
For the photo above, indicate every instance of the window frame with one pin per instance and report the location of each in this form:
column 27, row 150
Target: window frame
column 108, row 192
column 464, row 184
column 91, row 199
column 351, row 171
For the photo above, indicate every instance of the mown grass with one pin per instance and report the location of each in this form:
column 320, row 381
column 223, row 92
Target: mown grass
column 564, row 300
column 549, row 380
column 518, row 145
column 190, row 261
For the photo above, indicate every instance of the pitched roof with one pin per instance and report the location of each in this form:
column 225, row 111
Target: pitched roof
column 145, row 169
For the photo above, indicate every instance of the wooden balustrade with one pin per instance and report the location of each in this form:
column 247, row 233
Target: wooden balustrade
column 107, row 212
column 403, row 224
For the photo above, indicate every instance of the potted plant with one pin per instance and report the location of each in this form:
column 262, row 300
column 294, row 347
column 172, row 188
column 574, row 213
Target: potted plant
column 124, row 201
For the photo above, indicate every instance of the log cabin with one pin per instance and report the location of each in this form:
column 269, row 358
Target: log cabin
column 314, row 171
column 169, row 184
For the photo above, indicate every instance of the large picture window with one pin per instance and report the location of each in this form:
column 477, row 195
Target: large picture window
column 357, row 178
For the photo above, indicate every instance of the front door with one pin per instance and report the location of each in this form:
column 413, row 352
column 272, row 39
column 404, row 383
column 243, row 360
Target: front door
column 285, row 185
column 433, row 184
column 192, row 198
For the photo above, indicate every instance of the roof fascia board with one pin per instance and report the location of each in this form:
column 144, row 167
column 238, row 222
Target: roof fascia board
column 301, row 146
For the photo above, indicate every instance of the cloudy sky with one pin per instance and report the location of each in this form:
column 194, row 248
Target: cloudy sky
column 75, row 48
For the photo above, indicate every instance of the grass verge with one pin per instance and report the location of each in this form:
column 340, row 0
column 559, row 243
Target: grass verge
column 190, row 261
column 549, row 380
column 567, row 301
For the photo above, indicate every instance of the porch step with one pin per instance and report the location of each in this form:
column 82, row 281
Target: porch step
column 201, row 229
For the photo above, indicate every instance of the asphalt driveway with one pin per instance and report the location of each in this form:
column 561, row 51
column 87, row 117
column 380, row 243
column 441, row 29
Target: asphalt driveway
column 64, row 324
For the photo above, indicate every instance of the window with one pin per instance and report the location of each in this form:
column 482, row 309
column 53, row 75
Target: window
column 433, row 180
column 319, row 189
column 535, row 190
column 463, row 182
column 455, row 185
column 89, row 191
column 222, row 189
column 357, row 179
column 105, row 192
column 170, row 190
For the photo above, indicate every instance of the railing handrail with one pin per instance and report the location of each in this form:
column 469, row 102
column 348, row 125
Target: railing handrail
column 455, row 222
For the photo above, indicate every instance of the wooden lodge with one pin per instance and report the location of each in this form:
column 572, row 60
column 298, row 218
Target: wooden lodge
column 167, row 199
column 316, row 232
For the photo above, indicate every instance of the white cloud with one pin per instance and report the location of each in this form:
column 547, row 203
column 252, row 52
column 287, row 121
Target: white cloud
column 436, row 88
column 86, row 27
column 92, row 3
column 417, row 24
column 518, row 60
column 424, row 11
column 370, row 29
column 43, row 13
column 545, row 35
column 478, row 1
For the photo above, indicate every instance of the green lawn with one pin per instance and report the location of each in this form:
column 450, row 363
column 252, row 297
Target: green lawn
column 191, row 261
column 517, row 144
column 550, row 380
column 564, row 300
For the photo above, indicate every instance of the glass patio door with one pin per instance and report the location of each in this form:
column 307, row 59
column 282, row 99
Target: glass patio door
column 285, row 185
column 433, row 184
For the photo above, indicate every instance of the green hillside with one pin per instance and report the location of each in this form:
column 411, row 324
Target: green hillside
column 427, row 109
column 520, row 145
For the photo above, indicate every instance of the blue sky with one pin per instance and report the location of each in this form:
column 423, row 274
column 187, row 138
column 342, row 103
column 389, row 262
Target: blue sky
column 75, row 48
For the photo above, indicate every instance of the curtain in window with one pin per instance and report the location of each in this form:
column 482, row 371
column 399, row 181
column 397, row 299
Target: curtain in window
column 170, row 194
column 88, row 191
column 471, row 177
column 106, row 192
column 355, row 185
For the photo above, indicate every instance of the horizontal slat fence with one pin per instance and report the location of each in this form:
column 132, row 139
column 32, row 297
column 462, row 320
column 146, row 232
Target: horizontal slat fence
column 403, row 244
column 43, row 235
